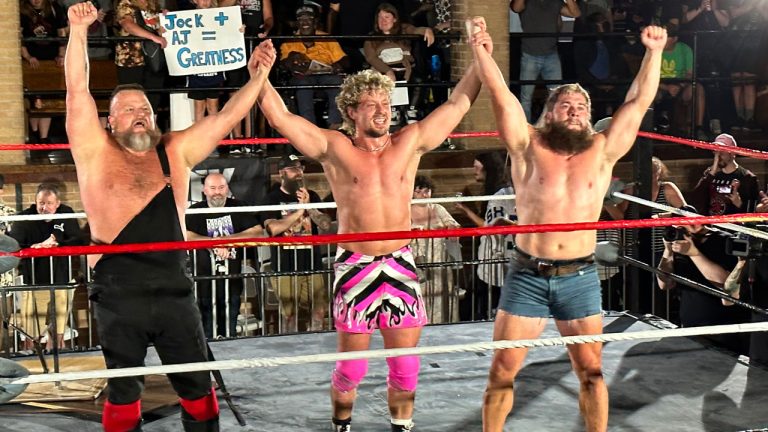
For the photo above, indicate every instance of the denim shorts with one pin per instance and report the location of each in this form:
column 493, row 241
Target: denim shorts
column 569, row 297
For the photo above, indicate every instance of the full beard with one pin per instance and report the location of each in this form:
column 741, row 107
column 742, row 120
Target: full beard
column 292, row 185
column 560, row 139
column 138, row 142
column 217, row 201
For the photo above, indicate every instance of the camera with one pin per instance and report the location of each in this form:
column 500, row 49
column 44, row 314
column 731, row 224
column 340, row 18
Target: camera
column 674, row 233
column 724, row 189
column 747, row 246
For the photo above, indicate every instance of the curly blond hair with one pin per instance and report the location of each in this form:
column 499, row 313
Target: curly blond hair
column 353, row 88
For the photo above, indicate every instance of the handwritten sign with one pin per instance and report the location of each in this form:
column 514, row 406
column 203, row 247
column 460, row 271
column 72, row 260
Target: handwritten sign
column 204, row 40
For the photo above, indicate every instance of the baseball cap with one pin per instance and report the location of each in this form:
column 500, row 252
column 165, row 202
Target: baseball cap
column 726, row 139
column 289, row 161
column 305, row 10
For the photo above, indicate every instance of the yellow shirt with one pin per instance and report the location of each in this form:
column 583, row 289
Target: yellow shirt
column 324, row 51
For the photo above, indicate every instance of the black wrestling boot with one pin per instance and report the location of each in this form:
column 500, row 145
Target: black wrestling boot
column 138, row 426
column 192, row 425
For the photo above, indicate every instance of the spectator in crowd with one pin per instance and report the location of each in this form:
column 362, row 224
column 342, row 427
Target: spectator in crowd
column 439, row 292
column 437, row 14
column 663, row 192
column 660, row 12
column 596, row 60
column 41, row 18
column 206, row 101
column 41, row 271
column 314, row 63
column 745, row 45
column 540, row 57
column 704, row 15
column 101, row 50
column 697, row 253
column 394, row 57
column 229, row 225
column 140, row 18
column 748, row 281
column 591, row 7
column 491, row 170
column 258, row 20
column 297, row 292
column 352, row 18
column 677, row 62
column 726, row 187
column 256, row 14
column 708, row 18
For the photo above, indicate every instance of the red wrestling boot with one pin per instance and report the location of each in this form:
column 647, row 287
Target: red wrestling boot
column 200, row 415
column 121, row 418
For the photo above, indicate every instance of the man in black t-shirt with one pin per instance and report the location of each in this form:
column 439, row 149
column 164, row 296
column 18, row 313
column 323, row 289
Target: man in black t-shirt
column 220, row 260
column 306, row 291
column 726, row 187
column 49, row 233
column 700, row 256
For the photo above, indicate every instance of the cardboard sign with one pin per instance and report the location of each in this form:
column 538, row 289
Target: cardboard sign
column 204, row 40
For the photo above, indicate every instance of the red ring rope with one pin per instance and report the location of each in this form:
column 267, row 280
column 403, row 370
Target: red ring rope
column 391, row 235
column 757, row 154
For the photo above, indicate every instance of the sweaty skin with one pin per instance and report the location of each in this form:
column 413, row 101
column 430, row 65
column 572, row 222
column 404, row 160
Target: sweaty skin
column 117, row 180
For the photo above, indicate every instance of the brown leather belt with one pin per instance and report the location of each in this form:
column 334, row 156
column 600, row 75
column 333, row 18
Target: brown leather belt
column 548, row 268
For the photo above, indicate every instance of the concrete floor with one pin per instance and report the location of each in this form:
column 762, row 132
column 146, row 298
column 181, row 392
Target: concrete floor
column 666, row 385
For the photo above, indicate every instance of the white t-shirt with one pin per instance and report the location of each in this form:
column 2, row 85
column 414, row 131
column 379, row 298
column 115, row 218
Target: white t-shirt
column 497, row 246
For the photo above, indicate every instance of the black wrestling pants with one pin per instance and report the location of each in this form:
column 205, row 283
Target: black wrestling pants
column 132, row 314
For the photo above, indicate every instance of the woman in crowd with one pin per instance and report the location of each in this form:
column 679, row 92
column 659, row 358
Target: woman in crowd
column 394, row 57
column 438, row 285
column 40, row 18
column 491, row 170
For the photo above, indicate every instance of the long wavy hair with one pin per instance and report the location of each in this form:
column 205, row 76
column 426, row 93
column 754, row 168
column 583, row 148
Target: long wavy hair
column 353, row 88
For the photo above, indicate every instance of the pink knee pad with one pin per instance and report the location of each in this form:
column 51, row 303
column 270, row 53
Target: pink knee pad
column 403, row 373
column 348, row 374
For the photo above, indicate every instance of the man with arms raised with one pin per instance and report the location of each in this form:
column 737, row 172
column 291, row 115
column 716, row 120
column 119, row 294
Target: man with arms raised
column 134, row 186
column 371, row 173
column 561, row 170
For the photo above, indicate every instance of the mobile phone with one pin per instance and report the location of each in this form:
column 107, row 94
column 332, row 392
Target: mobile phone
column 724, row 189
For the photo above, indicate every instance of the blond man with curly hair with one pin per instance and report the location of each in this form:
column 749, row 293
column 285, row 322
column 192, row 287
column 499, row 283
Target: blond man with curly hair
column 371, row 173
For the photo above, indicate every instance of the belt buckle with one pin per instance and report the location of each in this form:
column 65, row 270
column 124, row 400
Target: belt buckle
column 544, row 269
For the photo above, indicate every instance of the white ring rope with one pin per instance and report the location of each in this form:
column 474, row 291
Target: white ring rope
column 259, row 208
column 733, row 227
column 396, row 352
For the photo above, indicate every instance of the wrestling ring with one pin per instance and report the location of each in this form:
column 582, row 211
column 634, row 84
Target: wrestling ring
column 659, row 377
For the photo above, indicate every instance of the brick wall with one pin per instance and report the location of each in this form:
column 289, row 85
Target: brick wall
column 13, row 129
column 495, row 12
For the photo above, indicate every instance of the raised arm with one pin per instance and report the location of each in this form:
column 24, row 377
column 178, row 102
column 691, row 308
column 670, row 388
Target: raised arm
column 304, row 135
column 436, row 127
column 570, row 9
column 510, row 117
column 83, row 127
column 622, row 132
column 200, row 139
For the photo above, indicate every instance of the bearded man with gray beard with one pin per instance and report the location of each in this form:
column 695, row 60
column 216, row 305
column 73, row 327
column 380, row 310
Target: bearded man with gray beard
column 561, row 169
column 134, row 185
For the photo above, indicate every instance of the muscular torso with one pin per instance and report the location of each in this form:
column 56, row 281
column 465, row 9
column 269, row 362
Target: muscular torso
column 372, row 190
column 115, row 185
column 553, row 188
